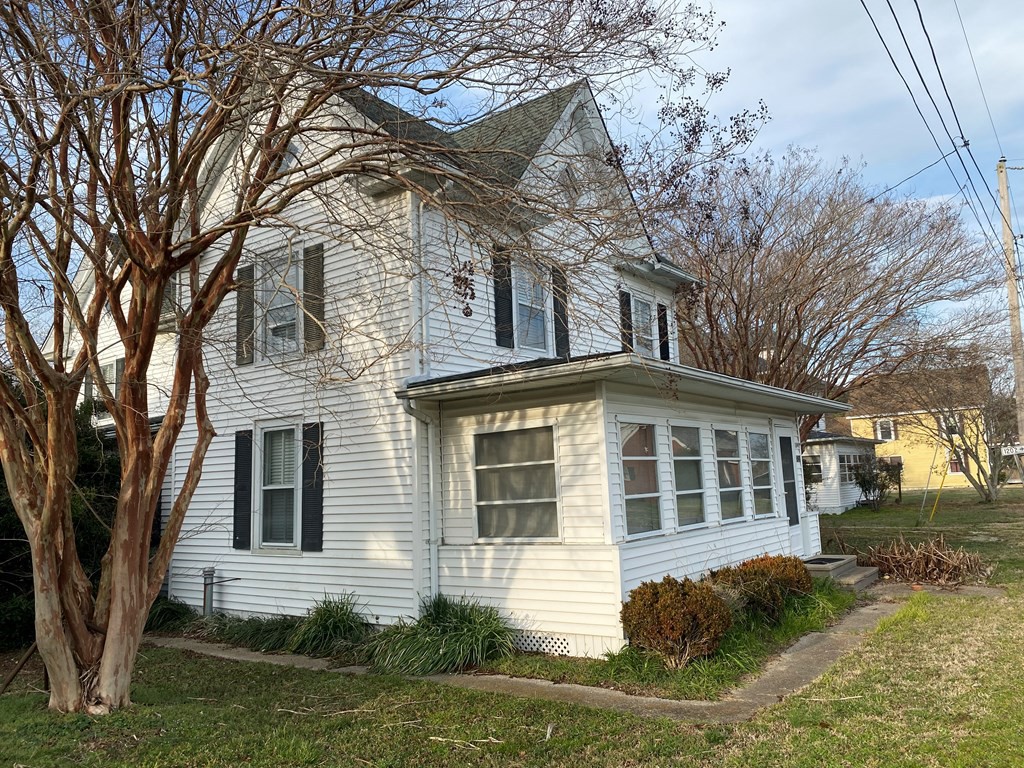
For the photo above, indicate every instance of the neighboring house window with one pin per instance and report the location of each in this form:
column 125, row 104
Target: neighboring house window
column 689, row 474
column 730, row 484
column 112, row 374
column 531, row 311
column 885, row 430
column 812, row 470
column 640, row 478
column 759, row 448
column 949, row 426
column 955, row 466
column 848, row 464
column 278, row 509
column 516, row 489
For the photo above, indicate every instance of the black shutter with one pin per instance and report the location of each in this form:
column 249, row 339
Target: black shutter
column 154, row 536
column 626, row 320
column 242, row 538
column 664, row 347
column 501, row 271
column 118, row 375
column 312, row 487
column 560, row 305
column 245, row 315
column 313, row 297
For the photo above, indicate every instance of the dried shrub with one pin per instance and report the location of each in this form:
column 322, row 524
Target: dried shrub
column 930, row 562
column 757, row 590
column 679, row 620
column 790, row 572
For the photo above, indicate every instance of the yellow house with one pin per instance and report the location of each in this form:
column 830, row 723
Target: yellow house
column 917, row 440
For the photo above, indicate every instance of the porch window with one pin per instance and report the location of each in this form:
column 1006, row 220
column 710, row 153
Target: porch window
column 759, row 448
column 686, row 460
column 730, row 483
column 640, row 478
column 516, row 491
column 812, row 469
column 848, row 464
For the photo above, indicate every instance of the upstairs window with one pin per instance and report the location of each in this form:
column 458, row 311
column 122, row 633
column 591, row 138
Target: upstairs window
column 279, row 294
column 643, row 327
column 531, row 311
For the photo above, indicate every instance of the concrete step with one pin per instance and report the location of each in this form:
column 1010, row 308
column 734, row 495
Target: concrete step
column 830, row 566
column 859, row 578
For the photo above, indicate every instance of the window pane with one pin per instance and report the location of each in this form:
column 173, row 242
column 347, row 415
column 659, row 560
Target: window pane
column 758, row 445
column 732, row 505
column 685, row 441
column 516, row 447
column 278, row 515
column 280, row 319
column 763, row 501
column 641, row 476
column 727, row 443
column 539, row 520
column 516, row 483
column 642, row 515
column 729, row 474
column 279, row 457
column 688, row 475
column 690, row 508
column 637, row 439
column 532, row 330
column 762, row 471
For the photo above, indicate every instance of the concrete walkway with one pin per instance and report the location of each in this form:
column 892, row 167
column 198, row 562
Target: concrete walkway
column 795, row 668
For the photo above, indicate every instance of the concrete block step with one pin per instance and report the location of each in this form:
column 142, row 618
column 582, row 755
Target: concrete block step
column 830, row 566
column 859, row 578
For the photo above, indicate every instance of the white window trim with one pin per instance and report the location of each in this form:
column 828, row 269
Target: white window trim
column 659, row 463
column 285, row 256
column 746, row 502
column 703, row 458
column 258, row 487
column 519, row 274
column 517, row 427
column 775, row 480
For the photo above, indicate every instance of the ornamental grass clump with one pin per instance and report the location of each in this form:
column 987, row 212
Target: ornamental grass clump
column 679, row 620
column 169, row 615
column 334, row 626
column 451, row 634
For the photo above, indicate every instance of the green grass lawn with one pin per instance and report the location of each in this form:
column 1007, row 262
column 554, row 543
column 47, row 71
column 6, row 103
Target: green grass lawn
column 937, row 685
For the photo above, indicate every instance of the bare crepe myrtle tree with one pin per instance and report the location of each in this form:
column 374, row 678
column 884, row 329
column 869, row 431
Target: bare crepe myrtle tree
column 811, row 279
column 120, row 123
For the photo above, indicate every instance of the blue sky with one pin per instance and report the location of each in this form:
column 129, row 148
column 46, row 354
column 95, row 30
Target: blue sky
column 828, row 83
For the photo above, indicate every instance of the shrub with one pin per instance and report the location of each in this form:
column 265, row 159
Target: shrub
column 334, row 625
column 876, row 479
column 169, row 615
column 451, row 635
column 679, row 620
column 790, row 572
column 758, row 591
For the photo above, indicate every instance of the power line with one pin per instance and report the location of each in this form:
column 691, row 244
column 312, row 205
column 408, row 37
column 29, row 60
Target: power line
column 977, row 77
column 911, row 176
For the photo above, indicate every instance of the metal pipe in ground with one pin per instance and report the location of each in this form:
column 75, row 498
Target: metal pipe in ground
column 208, row 581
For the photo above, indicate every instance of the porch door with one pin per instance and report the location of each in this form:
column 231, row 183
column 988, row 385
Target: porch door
column 799, row 531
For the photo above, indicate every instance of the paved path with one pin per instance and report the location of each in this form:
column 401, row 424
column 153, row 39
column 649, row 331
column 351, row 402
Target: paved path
column 795, row 668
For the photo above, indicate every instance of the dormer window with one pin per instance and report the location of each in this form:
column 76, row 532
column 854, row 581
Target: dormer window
column 642, row 323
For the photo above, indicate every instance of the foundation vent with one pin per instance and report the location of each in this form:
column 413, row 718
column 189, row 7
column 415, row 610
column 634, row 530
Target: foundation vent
column 553, row 646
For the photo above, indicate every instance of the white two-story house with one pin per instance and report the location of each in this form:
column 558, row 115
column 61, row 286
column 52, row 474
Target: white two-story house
column 402, row 410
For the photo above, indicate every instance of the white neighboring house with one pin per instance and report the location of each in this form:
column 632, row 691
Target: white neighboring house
column 530, row 442
column 829, row 460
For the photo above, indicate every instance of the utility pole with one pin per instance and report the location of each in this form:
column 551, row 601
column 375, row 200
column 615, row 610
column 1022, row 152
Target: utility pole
column 1016, row 340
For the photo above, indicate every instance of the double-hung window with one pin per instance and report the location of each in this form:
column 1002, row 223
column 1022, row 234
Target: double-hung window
column 280, row 293
column 640, row 478
column 688, row 471
column 279, row 506
column 516, row 488
column 759, row 448
column 885, row 430
column 643, row 327
column 531, row 311
column 730, row 479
